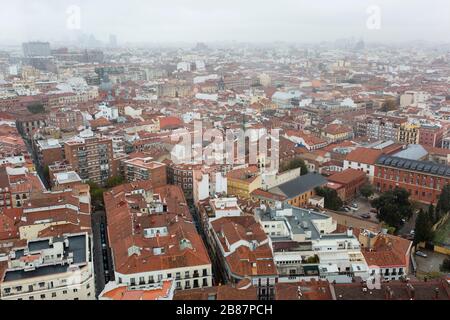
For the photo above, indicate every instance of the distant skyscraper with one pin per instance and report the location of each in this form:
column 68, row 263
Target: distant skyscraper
column 112, row 40
column 36, row 49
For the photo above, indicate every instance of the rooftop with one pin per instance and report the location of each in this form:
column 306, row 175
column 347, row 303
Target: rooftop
column 299, row 185
column 414, row 165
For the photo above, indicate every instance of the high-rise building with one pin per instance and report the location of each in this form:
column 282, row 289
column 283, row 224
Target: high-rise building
column 91, row 158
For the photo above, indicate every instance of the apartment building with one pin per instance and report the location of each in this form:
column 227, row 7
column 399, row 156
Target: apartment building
column 145, row 168
column 242, row 182
column 153, row 238
column 363, row 159
column 52, row 268
column 408, row 133
column 431, row 135
column 305, row 245
column 245, row 253
column 386, row 255
column 91, row 158
column 380, row 128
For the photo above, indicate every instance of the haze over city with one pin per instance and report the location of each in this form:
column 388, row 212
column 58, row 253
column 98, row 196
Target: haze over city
column 139, row 21
column 240, row 151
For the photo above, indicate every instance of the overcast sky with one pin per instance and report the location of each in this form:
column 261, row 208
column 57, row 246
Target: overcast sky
column 225, row 20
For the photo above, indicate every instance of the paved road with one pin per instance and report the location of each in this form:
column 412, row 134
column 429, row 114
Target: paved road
column 364, row 207
column 353, row 221
column 102, row 253
column 431, row 263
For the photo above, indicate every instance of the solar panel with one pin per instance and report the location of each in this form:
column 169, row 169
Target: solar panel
column 407, row 164
column 434, row 169
column 420, row 167
column 427, row 168
column 388, row 161
column 448, row 172
column 414, row 165
column 441, row 170
column 394, row 162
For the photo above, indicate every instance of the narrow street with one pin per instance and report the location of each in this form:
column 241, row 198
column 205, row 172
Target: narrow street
column 102, row 253
column 215, row 263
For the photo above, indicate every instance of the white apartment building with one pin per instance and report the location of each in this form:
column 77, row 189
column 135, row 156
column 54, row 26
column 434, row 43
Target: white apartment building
column 305, row 246
column 50, row 268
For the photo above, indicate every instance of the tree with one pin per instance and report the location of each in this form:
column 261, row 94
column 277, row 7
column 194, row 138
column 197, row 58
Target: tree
column 332, row 200
column 36, row 108
column 443, row 205
column 445, row 266
column 366, row 190
column 393, row 206
column 423, row 228
column 114, row 181
column 389, row 105
column 96, row 192
column 432, row 214
column 294, row 164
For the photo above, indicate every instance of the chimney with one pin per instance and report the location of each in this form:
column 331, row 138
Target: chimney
column 349, row 232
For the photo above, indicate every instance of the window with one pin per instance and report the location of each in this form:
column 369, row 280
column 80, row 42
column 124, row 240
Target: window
column 42, row 296
column 53, row 294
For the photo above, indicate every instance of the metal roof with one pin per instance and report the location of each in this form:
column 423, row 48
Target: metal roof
column 415, row 165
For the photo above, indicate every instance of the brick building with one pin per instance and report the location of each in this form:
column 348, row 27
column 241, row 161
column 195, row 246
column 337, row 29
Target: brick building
column 347, row 183
column 146, row 168
column 422, row 179
column 91, row 158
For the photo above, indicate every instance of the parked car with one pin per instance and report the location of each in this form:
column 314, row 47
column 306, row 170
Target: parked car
column 354, row 205
column 347, row 209
column 421, row 254
column 365, row 216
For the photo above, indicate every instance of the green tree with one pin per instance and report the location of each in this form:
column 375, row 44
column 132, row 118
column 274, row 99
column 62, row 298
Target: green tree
column 389, row 105
column 423, row 231
column 114, row 181
column 366, row 190
column 294, row 164
column 443, row 205
column 96, row 192
column 445, row 266
column 35, row 108
column 432, row 214
column 393, row 206
column 332, row 200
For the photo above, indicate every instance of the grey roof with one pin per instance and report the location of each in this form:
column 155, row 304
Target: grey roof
column 413, row 165
column 77, row 245
column 299, row 222
column 299, row 185
column 412, row 152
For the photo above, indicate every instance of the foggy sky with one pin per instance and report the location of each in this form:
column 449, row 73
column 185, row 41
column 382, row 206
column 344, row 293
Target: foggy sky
column 225, row 20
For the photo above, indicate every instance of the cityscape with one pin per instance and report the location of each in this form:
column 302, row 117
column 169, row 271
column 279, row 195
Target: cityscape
column 201, row 156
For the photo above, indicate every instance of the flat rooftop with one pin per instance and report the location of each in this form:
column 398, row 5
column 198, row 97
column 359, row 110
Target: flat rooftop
column 77, row 246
